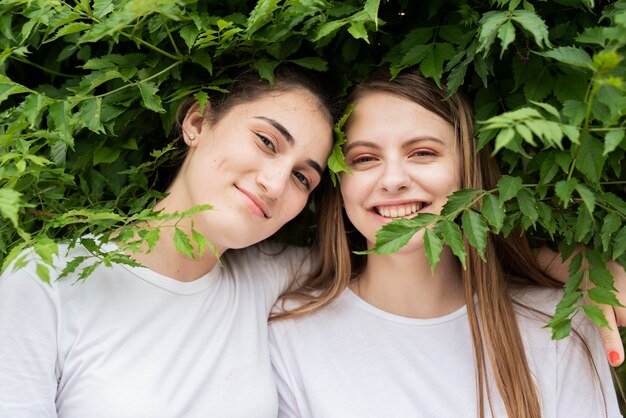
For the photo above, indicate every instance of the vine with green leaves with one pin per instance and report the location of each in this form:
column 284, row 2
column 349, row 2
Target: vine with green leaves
column 89, row 92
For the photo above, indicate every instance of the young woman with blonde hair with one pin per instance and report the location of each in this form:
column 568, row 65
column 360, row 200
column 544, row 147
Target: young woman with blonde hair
column 373, row 335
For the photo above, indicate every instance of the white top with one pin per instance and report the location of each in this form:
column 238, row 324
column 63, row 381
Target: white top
column 128, row 342
column 351, row 359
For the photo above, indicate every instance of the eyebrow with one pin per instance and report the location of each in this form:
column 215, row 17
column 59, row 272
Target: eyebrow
column 315, row 165
column 406, row 143
column 284, row 132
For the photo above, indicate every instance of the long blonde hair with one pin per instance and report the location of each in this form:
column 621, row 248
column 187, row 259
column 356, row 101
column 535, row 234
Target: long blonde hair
column 495, row 333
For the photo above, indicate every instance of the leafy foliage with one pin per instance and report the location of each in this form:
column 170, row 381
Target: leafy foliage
column 89, row 91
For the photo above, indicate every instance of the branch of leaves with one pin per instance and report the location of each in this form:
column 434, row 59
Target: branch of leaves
column 481, row 211
column 527, row 123
column 590, row 283
column 96, row 231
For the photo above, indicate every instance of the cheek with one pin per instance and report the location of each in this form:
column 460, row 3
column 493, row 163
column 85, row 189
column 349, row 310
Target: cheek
column 294, row 204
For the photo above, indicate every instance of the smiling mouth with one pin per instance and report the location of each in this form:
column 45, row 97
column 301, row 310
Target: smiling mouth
column 255, row 204
column 398, row 211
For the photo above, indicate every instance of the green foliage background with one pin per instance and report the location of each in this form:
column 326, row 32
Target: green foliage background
column 88, row 92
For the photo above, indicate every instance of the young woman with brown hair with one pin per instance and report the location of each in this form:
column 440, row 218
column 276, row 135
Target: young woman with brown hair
column 179, row 337
column 373, row 335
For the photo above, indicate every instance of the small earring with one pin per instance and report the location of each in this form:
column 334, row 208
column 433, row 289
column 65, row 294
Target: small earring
column 192, row 137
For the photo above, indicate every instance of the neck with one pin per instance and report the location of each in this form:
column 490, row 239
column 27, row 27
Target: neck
column 403, row 284
column 165, row 259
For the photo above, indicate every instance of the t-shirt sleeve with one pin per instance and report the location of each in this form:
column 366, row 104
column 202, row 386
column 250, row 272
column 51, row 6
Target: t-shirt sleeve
column 28, row 345
column 285, row 383
column 581, row 391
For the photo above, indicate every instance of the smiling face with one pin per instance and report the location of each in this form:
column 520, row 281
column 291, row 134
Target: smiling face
column 403, row 159
column 256, row 166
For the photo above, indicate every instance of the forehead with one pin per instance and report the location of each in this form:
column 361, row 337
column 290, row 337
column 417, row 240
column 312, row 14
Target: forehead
column 383, row 116
column 297, row 110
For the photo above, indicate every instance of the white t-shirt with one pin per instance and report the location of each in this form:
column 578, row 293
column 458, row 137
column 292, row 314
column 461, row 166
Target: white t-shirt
column 131, row 343
column 351, row 359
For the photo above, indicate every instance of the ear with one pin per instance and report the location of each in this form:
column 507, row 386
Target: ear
column 194, row 124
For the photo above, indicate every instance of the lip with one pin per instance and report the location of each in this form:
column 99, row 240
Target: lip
column 255, row 204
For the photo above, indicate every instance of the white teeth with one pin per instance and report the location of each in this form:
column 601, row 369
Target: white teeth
column 398, row 211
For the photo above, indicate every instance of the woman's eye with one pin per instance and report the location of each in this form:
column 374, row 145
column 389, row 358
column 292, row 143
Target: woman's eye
column 423, row 153
column 267, row 142
column 302, row 179
column 363, row 159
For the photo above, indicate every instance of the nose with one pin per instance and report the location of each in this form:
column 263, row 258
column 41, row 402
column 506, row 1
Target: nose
column 394, row 178
column 273, row 180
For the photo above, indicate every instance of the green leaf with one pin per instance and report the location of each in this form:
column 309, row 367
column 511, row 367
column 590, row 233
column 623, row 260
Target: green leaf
column 453, row 238
column 265, row 68
column 150, row 99
column 575, row 111
column 534, row 24
column 528, row 205
column 10, row 204
column 46, row 249
column 433, row 247
column 506, row 34
column 604, row 296
column 43, row 272
column 458, row 201
column 569, row 55
column 611, row 224
column 612, row 140
column 601, row 277
column 493, row 212
column 358, row 31
column 489, row 25
column 312, row 63
column 590, row 158
column 475, row 230
column 508, row 187
column 328, row 28
column 89, row 114
column 568, row 300
column 588, row 197
column 336, row 161
column 573, row 282
column 620, row 244
column 563, row 189
column 596, row 315
column 396, row 234
column 189, row 33
column 182, row 243
column 561, row 330
column 106, row 155
column 200, row 240
column 584, row 222
column 204, row 59
column 504, row 138
column 261, row 15
column 432, row 64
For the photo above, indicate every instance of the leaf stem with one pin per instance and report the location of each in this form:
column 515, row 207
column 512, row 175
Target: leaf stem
column 47, row 70
column 169, row 35
column 139, row 82
column 154, row 48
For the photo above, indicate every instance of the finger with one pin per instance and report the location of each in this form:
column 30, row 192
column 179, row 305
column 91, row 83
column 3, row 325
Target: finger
column 611, row 340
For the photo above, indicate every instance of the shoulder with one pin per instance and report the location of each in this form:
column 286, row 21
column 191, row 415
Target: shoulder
column 541, row 298
column 323, row 320
column 270, row 258
column 535, row 307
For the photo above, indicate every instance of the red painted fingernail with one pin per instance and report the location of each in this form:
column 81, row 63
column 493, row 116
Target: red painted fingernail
column 613, row 357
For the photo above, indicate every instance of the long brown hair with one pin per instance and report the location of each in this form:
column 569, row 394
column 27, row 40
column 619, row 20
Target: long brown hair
column 495, row 333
